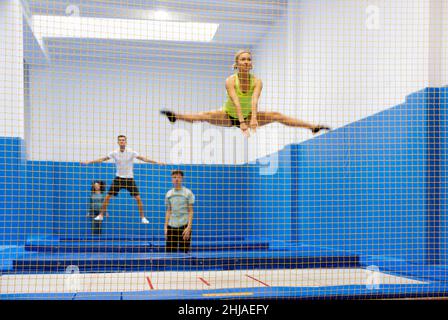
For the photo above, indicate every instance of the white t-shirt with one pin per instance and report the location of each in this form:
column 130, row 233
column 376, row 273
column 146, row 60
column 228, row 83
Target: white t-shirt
column 124, row 161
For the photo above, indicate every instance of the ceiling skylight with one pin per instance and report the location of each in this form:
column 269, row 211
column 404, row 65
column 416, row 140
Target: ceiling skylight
column 121, row 29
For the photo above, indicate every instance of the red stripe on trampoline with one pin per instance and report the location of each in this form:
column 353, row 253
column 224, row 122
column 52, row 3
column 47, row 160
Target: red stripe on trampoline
column 203, row 280
column 265, row 284
column 149, row 282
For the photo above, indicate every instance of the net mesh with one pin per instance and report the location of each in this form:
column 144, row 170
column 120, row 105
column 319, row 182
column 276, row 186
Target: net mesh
column 358, row 210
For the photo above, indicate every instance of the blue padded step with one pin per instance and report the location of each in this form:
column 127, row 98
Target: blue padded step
column 341, row 292
column 101, row 245
column 302, row 257
column 55, row 246
column 134, row 238
column 230, row 245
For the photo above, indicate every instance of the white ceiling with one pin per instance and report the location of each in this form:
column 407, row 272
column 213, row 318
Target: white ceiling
column 243, row 23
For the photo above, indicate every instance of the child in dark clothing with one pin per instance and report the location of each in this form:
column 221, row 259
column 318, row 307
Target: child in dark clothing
column 96, row 200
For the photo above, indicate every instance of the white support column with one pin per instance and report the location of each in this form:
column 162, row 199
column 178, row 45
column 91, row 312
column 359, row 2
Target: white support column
column 436, row 64
column 444, row 43
column 293, row 46
column 11, row 69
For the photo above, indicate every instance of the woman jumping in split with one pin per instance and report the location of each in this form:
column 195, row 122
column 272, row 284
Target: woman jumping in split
column 241, row 106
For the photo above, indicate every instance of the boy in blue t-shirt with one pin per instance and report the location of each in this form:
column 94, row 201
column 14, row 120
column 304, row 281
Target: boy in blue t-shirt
column 179, row 215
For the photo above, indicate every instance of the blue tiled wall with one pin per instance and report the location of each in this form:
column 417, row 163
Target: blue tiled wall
column 363, row 187
column 51, row 198
column 269, row 197
column 12, row 170
column 443, row 183
column 375, row 187
column 217, row 211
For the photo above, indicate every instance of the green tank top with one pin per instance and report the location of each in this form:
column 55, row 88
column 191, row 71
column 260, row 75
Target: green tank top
column 244, row 98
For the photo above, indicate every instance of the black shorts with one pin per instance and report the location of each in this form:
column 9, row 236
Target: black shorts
column 123, row 183
column 235, row 121
column 175, row 242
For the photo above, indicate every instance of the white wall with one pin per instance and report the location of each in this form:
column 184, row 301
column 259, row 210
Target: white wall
column 326, row 61
column 335, row 62
column 351, row 66
column 271, row 65
column 275, row 60
column 11, row 69
column 77, row 113
column 444, row 44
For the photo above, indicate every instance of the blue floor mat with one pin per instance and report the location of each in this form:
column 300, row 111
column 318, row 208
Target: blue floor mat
column 101, row 245
column 300, row 257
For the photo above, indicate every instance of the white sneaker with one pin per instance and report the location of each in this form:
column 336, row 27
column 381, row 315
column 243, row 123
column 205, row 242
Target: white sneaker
column 145, row 221
column 99, row 218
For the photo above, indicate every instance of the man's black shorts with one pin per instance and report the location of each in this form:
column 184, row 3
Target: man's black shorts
column 123, row 183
